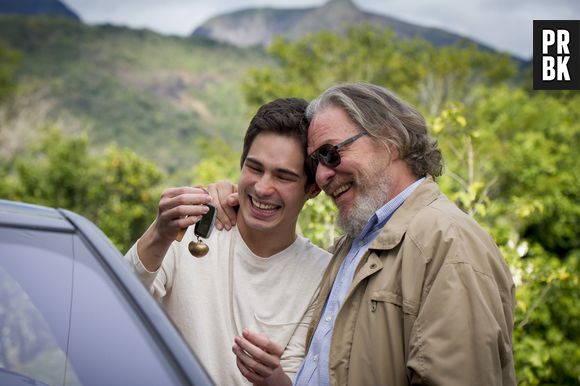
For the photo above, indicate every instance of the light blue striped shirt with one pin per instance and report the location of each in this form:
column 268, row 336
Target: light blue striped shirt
column 314, row 368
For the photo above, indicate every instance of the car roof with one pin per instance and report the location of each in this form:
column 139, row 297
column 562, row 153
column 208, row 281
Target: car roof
column 23, row 215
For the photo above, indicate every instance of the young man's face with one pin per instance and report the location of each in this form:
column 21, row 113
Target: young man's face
column 272, row 184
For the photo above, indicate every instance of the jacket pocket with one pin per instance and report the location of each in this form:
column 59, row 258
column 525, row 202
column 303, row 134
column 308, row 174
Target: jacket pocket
column 382, row 297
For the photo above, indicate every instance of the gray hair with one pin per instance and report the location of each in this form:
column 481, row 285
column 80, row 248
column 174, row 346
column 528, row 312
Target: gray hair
column 386, row 118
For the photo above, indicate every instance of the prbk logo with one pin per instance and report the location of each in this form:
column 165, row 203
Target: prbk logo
column 557, row 54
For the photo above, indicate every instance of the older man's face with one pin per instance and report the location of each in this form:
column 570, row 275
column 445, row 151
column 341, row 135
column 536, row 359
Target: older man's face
column 360, row 184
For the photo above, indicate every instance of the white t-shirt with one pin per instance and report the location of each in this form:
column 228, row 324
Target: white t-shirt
column 212, row 299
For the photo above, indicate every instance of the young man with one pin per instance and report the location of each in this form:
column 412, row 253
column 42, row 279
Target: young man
column 259, row 279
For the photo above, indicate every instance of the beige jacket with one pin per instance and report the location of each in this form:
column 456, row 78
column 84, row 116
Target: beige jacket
column 431, row 303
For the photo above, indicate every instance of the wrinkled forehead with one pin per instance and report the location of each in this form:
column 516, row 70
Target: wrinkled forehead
column 330, row 125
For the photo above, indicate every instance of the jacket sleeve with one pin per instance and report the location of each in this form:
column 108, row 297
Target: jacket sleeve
column 462, row 334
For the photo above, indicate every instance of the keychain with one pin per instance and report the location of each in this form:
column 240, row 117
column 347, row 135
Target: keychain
column 198, row 248
column 203, row 229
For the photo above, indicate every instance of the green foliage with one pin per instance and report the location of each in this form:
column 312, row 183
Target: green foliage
column 317, row 221
column 511, row 159
column 311, row 64
column 415, row 69
column 511, row 164
column 541, row 183
column 126, row 186
column 218, row 162
column 117, row 191
column 547, row 325
column 9, row 61
column 136, row 88
column 55, row 172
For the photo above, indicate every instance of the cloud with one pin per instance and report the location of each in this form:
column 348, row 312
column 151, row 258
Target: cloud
column 503, row 25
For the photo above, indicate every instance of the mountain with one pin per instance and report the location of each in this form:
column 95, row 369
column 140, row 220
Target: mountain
column 37, row 7
column 258, row 26
column 154, row 93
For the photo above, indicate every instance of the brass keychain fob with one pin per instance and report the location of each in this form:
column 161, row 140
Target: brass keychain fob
column 202, row 229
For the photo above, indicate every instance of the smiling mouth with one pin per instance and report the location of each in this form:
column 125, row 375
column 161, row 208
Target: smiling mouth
column 263, row 206
column 340, row 190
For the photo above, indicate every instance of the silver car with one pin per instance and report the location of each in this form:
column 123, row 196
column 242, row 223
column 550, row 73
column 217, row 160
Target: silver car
column 73, row 313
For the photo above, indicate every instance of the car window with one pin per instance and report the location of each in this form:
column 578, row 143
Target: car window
column 64, row 321
column 35, row 298
column 105, row 322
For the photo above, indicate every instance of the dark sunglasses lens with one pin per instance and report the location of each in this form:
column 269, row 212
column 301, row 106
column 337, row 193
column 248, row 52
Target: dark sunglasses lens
column 328, row 155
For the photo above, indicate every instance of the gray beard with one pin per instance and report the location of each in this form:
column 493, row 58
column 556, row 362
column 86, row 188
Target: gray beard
column 352, row 220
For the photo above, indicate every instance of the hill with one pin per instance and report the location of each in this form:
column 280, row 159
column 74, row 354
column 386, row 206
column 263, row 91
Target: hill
column 37, row 7
column 259, row 26
column 156, row 94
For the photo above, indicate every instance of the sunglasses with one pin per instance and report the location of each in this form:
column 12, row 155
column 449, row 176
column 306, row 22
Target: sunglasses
column 328, row 154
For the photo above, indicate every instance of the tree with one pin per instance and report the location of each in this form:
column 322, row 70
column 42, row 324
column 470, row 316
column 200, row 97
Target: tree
column 9, row 62
column 218, row 162
column 511, row 164
column 117, row 191
column 419, row 72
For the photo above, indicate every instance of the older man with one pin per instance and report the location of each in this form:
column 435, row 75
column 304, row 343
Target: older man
column 417, row 292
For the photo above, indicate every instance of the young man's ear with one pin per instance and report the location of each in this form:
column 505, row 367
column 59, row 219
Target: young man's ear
column 313, row 191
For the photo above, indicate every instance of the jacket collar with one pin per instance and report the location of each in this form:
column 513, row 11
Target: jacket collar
column 393, row 231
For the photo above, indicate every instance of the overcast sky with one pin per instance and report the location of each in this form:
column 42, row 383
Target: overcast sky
column 503, row 24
